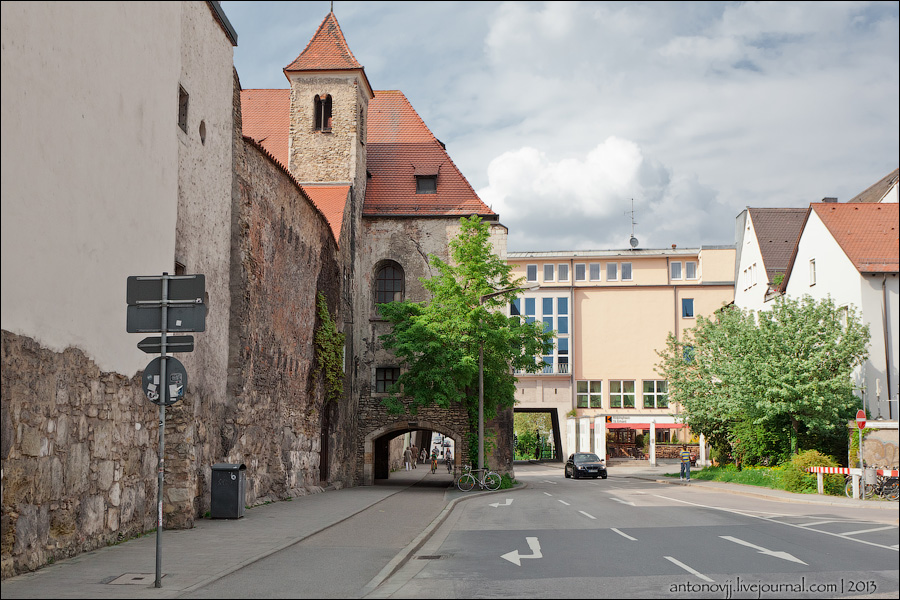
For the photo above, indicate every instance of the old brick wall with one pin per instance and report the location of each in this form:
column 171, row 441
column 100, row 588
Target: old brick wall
column 283, row 254
column 79, row 450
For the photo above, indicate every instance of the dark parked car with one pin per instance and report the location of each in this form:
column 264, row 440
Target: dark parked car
column 585, row 464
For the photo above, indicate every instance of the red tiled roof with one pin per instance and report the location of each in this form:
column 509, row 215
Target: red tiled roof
column 400, row 146
column 331, row 200
column 878, row 190
column 777, row 231
column 266, row 119
column 326, row 51
column 867, row 232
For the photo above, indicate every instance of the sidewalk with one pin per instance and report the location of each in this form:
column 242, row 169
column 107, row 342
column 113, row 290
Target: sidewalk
column 214, row 548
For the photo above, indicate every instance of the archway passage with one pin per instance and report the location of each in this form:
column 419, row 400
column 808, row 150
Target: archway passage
column 546, row 428
column 384, row 447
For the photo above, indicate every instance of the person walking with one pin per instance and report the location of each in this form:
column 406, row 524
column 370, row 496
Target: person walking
column 407, row 457
column 685, row 463
column 424, row 455
column 414, row 453
column 449, row 457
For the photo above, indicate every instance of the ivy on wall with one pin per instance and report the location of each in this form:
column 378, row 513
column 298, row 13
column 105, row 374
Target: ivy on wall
column 330, row 352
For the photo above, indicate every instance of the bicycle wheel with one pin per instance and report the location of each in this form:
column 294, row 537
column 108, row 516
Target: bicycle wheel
column 465, row 483
column 848, row 489
column 870, row 491
column 492, row 481
column 892, row 490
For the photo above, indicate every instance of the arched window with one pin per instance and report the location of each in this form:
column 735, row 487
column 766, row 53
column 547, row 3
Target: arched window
column 322, row 117
column 389, row 283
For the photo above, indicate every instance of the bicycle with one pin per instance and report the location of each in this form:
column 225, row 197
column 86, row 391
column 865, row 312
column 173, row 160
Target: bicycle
column 885, row 487
column 433, row 465
column 488, row 480
column 450, row 465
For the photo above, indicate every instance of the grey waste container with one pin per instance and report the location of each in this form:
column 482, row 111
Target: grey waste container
column 227, row 488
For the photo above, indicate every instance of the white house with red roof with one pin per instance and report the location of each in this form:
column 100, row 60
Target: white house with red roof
column 850, row 253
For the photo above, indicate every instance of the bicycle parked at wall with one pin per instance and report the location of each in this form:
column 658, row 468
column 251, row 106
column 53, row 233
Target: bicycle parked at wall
column 885, row 486
column 486, row 479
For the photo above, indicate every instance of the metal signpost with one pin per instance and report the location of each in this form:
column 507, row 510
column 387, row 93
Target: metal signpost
column 163, row 304
column 860, row 425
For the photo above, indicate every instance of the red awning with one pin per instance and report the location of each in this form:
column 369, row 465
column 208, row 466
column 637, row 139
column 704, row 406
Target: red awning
column 645, row 426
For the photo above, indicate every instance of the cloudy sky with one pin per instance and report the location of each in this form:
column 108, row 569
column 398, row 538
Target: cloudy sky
column 562, row 113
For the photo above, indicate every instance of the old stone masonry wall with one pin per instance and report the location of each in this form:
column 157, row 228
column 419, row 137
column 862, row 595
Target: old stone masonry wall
column 79, row 455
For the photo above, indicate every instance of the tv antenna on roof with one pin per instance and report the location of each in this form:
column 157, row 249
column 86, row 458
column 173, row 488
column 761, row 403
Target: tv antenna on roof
column 633, row 241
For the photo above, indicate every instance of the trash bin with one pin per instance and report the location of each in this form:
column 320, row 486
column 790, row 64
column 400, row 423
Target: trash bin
column 227, row 489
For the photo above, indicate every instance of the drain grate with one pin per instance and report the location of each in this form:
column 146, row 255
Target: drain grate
column 429, row 557
column 134, row 579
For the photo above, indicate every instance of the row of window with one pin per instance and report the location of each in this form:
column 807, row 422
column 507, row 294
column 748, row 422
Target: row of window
column 615, row 271
column 589, row 394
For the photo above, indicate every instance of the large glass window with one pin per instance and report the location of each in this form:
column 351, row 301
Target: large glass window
column 389, row 284
column 529, row 310
column 580, row 273
column 589, row 394
column 656, row 394
column 385, row 377
column 547, row 306
column 612, row 271
column 690, row 270
column 562, row 355
column 621, row 394
column 675, row 268
column 595, row 271
column 687, row 308
column 515, row 307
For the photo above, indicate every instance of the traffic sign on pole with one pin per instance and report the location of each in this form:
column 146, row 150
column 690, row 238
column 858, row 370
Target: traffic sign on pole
column 175, row 343
column 182, row 288
column 860, row 419
column 170, row 391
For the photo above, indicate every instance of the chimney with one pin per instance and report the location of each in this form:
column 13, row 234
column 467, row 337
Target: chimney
column 673, row 246
column 829, row 199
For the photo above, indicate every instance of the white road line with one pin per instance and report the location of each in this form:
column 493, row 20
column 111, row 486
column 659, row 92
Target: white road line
column 688, row 569
column 837, row 535
column 814, row 523
column 623, row 501
column 624, row 535
column 869, row 530
column 587, row 515
column 548, row 494
column 564, row 502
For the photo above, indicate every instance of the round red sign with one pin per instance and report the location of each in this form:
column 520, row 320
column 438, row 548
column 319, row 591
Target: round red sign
column 860, row 419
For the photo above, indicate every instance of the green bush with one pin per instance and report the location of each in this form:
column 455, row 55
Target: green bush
column 506, row 481
column 796, row 479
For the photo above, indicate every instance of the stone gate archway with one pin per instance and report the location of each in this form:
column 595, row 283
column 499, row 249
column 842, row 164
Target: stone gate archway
column 372, row 448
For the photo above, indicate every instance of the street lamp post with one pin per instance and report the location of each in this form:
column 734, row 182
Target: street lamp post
column 481, row 373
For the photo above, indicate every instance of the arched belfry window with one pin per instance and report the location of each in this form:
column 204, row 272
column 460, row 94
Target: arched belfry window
column 389, row 283
column 322, row 115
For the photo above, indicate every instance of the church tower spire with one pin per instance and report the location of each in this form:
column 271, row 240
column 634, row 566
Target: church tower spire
column 330, row 95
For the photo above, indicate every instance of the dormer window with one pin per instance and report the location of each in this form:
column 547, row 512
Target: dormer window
column 426, row 184
column 323, row 113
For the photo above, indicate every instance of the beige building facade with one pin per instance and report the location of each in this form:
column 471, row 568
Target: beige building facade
column 611, row 311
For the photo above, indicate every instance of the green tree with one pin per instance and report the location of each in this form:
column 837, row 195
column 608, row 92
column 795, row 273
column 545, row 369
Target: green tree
column 786, row 371
column 438, row 340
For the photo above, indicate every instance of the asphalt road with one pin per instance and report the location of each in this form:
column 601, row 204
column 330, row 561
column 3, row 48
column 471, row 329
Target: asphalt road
column 635, row 538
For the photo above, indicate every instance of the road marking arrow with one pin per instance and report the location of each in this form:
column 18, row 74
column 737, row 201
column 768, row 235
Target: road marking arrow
column 508, row 502
column 761, row 550
column 516, row 558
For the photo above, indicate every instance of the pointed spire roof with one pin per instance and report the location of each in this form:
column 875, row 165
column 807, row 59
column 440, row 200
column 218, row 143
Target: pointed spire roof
column 327, row 51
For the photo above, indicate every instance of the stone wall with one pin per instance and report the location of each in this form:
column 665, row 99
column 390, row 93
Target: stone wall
column 79, row 450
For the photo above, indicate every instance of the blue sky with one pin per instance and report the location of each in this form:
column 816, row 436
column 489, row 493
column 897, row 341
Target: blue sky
column 560, row 113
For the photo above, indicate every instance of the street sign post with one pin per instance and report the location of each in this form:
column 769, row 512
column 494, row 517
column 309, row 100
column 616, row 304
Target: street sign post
column 171, row 303
column 860, row 425
column 175, row 343
column 860, row 419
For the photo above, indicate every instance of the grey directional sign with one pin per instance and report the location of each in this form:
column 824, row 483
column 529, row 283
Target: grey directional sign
column 174, row 343
column 181, row 287
column 148, row 319
column 175, row 385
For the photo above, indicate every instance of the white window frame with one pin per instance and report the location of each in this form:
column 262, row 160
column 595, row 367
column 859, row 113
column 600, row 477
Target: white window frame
column 812, row 272
column 528, row 276
column 583, row 272
column 621, row 395
column 672, row 274
column 591, row 272
column 615, row 266
column 552, row 269
column 589, row 393
column 560, row 269
column 630, row 272
column 687, row 274
column 655, row 394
